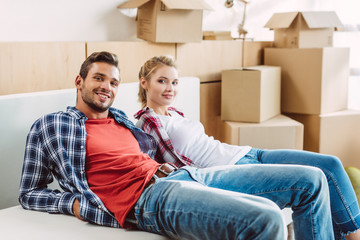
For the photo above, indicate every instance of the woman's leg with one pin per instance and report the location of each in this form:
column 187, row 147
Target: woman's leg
column 303, row 188
column 189, row 210
column 344, row 205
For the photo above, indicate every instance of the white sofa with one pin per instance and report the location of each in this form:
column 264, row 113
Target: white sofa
column 17, row 223
column 19, row 111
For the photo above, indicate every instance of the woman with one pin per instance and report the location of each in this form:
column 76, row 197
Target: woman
column 184, row 142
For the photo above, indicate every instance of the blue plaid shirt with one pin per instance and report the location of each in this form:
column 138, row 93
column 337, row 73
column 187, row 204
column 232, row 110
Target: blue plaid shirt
column 56, row 146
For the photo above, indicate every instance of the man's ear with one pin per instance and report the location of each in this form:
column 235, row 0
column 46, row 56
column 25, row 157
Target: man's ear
column 78, row 81
column 143, row 83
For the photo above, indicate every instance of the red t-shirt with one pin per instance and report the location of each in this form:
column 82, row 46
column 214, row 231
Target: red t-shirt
column 116, row 169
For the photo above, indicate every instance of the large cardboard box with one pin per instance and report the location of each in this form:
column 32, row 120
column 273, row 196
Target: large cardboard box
column 39, row 66
column 250, row 94
column 304, row 29
column 210, row 98
column 313, row 80
column 208, row 58
column 335, row 133
column 275, row 133
column 253, row 53
column 169, row 21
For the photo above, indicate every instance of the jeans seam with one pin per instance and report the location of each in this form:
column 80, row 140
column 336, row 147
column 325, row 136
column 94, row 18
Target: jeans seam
column 312, row 221
column 281, row 190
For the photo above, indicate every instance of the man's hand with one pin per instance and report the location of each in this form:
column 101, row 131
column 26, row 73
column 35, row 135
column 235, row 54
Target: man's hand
column 76, row 209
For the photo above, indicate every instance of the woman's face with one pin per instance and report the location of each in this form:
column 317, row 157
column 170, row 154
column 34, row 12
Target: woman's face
column 162, row 88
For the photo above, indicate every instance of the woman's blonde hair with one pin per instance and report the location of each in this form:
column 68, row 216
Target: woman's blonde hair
column 148, row 69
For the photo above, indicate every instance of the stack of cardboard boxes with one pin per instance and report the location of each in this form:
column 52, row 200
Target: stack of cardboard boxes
column 314, row 85
column 250, row 110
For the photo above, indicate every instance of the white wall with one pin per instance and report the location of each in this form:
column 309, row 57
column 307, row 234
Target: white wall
column 257, row 14
column 94, row 20
column 64, row 20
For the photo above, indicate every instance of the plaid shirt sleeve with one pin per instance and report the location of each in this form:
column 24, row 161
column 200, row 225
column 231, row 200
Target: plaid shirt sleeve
column 55, row 147
column 36, row 175
column 151, row 124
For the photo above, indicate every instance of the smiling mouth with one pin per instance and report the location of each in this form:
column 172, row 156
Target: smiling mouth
column 103, row 96
column 168, row 96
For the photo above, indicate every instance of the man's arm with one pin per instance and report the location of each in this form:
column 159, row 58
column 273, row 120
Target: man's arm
column 34, row 193
column 36, row 175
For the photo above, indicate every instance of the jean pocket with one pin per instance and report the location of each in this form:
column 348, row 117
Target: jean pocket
column 150, row 223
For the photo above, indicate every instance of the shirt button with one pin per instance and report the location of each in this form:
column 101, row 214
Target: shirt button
column 81, row 146
column 81, row 172
column 99, row 206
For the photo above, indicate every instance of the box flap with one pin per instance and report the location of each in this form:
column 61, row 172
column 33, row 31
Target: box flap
column 261, row 68
column 133, row 4
column 322, row 19
column 281, row 20
column 187, row 4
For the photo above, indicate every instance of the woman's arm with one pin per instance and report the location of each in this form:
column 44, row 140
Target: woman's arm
column 151, row 124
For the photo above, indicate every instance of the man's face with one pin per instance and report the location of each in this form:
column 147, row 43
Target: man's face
column 97, row 91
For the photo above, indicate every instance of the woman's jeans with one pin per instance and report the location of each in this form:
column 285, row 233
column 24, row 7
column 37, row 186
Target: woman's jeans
column 237, row 202
column 344, row 205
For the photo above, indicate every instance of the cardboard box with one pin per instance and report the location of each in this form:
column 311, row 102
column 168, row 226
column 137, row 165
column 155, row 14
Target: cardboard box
column 207, row 59
column 132, row 55
column 169, row 21
column 210, row 98
column 253, row 54
column 313, row 81
column 304, row 29
column 279, row 132
column 217, row 35
column 250, row 94
column 39, row 66
column 335, row 133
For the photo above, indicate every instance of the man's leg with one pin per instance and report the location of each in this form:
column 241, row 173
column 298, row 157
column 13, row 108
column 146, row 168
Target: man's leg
column 189, row 210
column 303, row 188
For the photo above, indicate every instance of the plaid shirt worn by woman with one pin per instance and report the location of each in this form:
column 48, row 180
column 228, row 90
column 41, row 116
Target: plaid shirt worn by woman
column 151, row 124
column 56, row 147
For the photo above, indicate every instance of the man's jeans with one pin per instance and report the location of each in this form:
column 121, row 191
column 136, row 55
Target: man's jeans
column 194, row 204
column 344, row 206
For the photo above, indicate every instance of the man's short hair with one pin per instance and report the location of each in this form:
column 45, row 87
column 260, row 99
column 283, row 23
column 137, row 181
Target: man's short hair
column 103, row 56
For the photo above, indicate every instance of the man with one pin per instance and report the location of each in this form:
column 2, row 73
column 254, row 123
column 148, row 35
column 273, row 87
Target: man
column 104, row 165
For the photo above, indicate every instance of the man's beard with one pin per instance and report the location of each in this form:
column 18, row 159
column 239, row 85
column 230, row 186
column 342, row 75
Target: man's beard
column 86, row 96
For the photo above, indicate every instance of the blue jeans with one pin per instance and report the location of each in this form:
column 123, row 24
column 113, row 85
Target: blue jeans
column 344, row 206
column 236, row 202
